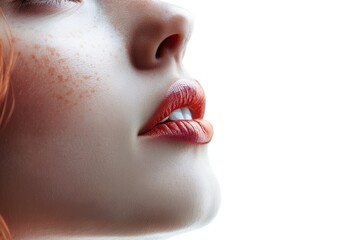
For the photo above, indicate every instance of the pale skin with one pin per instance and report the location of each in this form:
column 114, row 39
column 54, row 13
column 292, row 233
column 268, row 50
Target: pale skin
column 86, row 80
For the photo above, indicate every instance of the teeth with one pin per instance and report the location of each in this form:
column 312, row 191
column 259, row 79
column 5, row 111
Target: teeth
column 186, row 113
column 164, row 120
column 179, row 114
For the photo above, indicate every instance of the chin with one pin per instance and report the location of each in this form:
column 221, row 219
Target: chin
column 182, row 194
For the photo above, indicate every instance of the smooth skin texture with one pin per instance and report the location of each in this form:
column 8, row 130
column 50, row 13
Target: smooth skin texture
column 87, row 78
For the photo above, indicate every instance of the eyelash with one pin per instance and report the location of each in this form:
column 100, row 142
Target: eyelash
column 24, row 3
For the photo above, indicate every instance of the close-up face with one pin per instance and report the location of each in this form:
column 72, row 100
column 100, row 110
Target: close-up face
column 107, row 136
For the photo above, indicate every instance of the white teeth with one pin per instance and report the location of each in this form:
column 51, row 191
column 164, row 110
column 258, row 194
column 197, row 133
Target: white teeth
column 186, row 113
column 181, row 114
column 177, row 115
column 164, row 120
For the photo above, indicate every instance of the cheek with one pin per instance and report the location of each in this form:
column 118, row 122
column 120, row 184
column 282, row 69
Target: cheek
column 43, row 72
column 50, row 83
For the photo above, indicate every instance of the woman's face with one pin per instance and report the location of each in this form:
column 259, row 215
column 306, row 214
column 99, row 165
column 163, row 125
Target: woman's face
column 81, row 154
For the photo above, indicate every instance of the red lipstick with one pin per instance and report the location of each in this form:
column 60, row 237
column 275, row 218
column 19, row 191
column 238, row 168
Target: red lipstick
column 183, row 95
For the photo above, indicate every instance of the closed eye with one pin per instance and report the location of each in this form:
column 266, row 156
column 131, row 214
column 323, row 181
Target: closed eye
column 42, row 7
column 21, row 4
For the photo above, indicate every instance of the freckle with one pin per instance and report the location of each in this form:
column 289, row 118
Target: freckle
column 51, row 50
column 60, row 78
column 51, row 71
column 37, row 46
column 59, row 97
column 70, row 92
column 87, row 77
column 98, row 78
column 33, row 56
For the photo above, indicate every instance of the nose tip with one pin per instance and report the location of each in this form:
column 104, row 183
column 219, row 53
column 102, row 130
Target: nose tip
column 160, row 36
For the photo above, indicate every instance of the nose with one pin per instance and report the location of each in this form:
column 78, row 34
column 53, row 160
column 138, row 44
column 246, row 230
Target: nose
column 160, row 35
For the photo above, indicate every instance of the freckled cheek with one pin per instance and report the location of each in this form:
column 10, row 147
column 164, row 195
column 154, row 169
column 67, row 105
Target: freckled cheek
column 48, row 84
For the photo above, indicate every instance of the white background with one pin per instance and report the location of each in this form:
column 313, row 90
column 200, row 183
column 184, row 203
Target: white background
column 283, row 85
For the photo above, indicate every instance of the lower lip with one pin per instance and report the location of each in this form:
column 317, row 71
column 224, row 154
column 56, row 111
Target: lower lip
column 197, row 131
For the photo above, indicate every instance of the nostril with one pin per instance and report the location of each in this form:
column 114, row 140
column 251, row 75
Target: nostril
column 171, row 43
column 158, row 40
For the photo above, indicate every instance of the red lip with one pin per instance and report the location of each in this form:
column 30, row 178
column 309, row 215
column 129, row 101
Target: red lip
column 183, row 93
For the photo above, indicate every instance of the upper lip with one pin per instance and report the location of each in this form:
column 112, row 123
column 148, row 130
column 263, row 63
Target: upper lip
column 183, row 93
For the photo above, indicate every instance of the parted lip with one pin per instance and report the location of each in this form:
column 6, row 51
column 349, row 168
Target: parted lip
column 182, row 93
